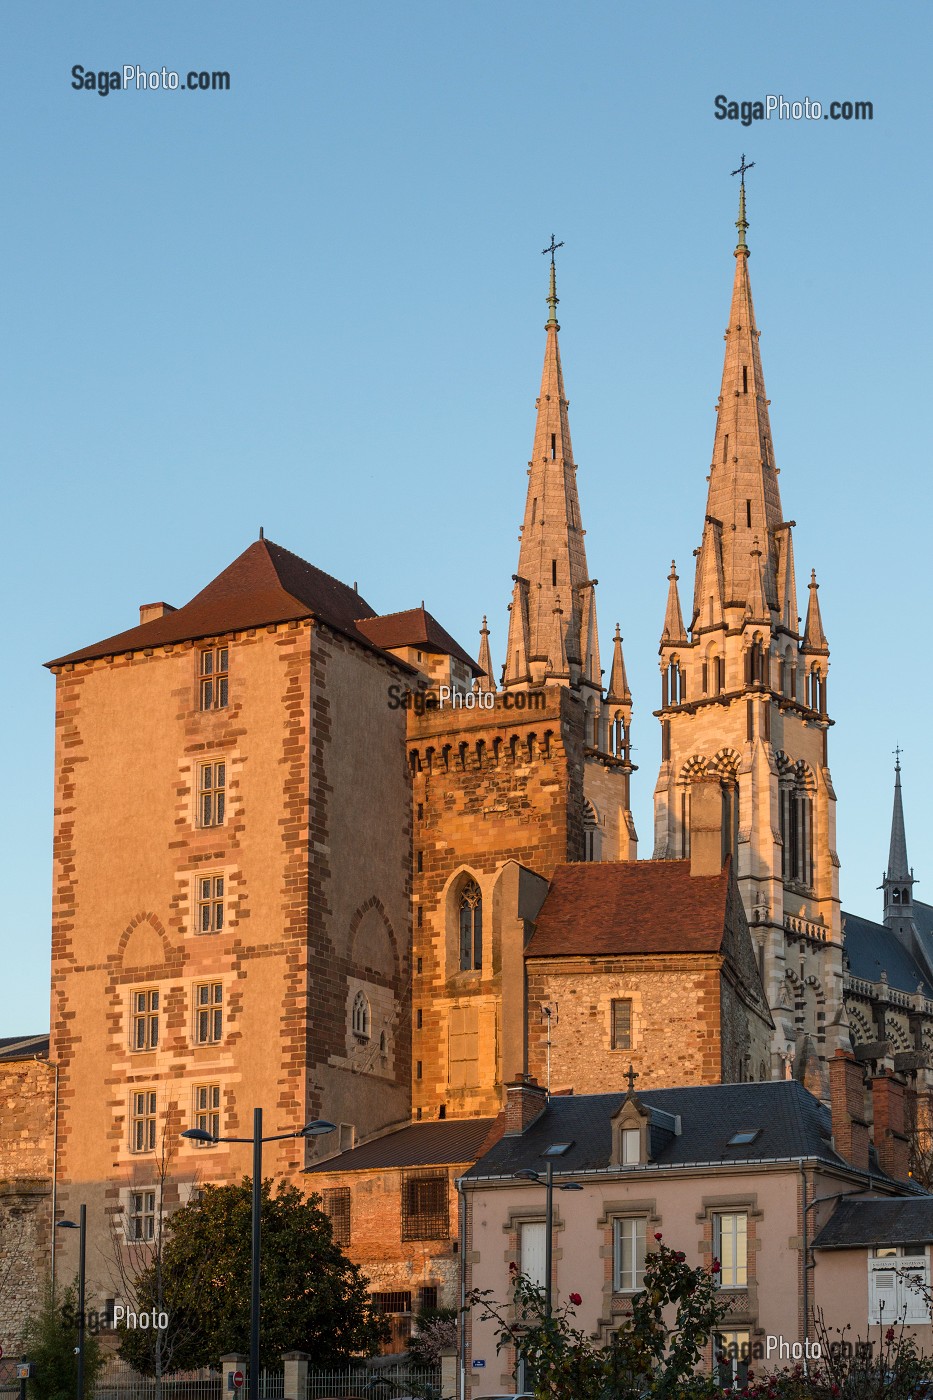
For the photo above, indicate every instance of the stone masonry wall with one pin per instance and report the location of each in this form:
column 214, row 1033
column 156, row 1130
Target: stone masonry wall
column 27, row 1090
column 666, row 992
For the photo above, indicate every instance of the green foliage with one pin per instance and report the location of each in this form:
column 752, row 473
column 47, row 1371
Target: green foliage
column 654, row 1353
column 312, row 1297
column 887, row 1367
column 50, row 1341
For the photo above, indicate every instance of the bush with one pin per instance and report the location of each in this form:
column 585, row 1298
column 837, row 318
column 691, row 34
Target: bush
column 50, row 1341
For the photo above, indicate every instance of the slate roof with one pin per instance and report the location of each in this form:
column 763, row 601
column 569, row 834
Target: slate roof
column 855, row 1224
column 645, row 906
column 872, row 949
column 793, row 1124
column 415, row 627
column 24, row 1047
column 438, row 1143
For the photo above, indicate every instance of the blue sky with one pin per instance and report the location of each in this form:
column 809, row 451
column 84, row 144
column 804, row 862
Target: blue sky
column 316, row 303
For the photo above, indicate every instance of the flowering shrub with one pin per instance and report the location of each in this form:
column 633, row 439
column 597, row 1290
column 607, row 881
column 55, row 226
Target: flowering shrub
column 654, row 1353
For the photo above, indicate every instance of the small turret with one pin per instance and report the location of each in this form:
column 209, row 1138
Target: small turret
column 486, row 681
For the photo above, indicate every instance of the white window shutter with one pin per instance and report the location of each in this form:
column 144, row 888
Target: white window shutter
column 532, row 1251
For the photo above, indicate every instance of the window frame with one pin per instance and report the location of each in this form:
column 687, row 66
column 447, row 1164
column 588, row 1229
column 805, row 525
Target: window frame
column 209, row 1012
column 735, row 1275
column 214, row 677
column 207, row 1116
column 361, row 1024
column 470, row 928
column 144, row 1018
column 336, row 1204
column 147, row 1213
column 213, row 903
column 620, row 1223
column 143, row 1120
column 418, row 1223
column 211, row 796
column 613, row 1014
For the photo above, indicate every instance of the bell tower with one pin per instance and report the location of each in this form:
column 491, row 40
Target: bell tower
column 744, row 697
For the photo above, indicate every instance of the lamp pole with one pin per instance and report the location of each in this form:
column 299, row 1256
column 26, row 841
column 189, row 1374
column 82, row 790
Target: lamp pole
column 81, row 1226
column 529, row 1174
column 316, row 1128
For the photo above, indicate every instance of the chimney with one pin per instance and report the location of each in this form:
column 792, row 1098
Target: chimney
column 847, row 1106
column 526, row 1100
column 892, row 1143
column 706, row 825
column 148, row 612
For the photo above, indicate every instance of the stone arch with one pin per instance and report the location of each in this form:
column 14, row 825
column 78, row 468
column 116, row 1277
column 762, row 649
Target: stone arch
column 591, row 831
column 896, row 1035
column 457, row 882
column 858, row 1021
column 695, row 767
column 371, row 942
column 814, row 986
column 144, row 942
column 726, row 763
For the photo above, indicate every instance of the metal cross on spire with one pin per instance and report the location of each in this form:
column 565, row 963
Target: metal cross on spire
column 631, row 1076
column 553, row 247
column 897, row 755
column 741, row 171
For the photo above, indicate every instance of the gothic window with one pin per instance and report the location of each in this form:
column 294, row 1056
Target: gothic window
column 360, row 1016
column 590, row 831
column 796, row 813
column 471, row 927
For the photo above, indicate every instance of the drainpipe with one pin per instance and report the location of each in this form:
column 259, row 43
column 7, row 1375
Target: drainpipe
column 461, row 1334
column 806, row 1266
column 53, row 1065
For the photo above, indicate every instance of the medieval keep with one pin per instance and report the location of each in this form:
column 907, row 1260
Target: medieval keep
column 313, row 856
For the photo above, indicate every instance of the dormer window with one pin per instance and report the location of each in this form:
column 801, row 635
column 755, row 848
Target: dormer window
column 631, row 1147
column 744, row 1137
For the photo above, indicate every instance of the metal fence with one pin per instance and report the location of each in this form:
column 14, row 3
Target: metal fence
column 369, row 1383
column 119, row 1381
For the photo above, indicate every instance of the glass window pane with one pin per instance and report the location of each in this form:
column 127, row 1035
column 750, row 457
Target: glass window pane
column 222, row 692
column 222, row 659
column 221, row 774
column 207, row 663
column 220, row 808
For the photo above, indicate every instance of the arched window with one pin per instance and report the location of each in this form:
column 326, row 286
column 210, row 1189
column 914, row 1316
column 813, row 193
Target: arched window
column 360, row 1018
column 471, row 928
column 590, row 831
column 796, row 812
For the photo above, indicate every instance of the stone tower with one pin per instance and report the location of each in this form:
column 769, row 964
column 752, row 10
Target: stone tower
column 743, row 695
column 508, row 783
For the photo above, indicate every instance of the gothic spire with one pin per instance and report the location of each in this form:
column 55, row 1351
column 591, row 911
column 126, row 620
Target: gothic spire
column 814, row 638
column 619, row 692
column 898, row 869
column 674, row 632
column 552, row 556
column 487, row 681
column 756, row 608
column 743, row 494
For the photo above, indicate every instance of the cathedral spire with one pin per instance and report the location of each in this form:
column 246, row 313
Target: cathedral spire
column 486, row 681
column 674, row 630
column 898, row 879
column 552, row 556
column 756, row 608
column 743, row 496
column 618, row 692
column 814, row 638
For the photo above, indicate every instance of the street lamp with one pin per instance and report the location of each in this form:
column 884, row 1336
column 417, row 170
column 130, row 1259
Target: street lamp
column 557, row 1149
column 80, row 1224
column 316, row 1128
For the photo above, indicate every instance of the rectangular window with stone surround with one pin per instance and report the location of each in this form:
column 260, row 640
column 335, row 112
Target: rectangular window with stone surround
column 621, row 1028
column 145, row 1029
column 630, row 1234
column 214, row 678
column 336, row 1206
column 730, row 1247
column 210, row 903
column 142, row 1120
column 212, row 793
column 425, row 1205
column 207, row 1110
column 140, row 1218
column 209, row 1013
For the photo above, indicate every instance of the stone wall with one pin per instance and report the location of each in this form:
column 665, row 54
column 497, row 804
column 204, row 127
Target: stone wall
column 27, row 1089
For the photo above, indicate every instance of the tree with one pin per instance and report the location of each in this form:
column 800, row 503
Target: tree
column 312, row 1298
column 655, row 1352
column 436, row 1334
column 50, row 1340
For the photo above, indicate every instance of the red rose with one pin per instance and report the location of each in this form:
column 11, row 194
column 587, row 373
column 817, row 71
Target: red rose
column 576, row 1299
column 513, row 1268
column 715, row 1267
column 889, row 1335
column 658, row 1235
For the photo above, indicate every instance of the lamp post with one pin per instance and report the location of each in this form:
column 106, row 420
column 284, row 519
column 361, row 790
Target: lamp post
column 81, row 1225
column 528, row 1174
column 313, row 1129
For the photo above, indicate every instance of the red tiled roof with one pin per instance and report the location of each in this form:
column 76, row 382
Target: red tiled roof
column 615, row 908
column 265, row 584
column 415, row 628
